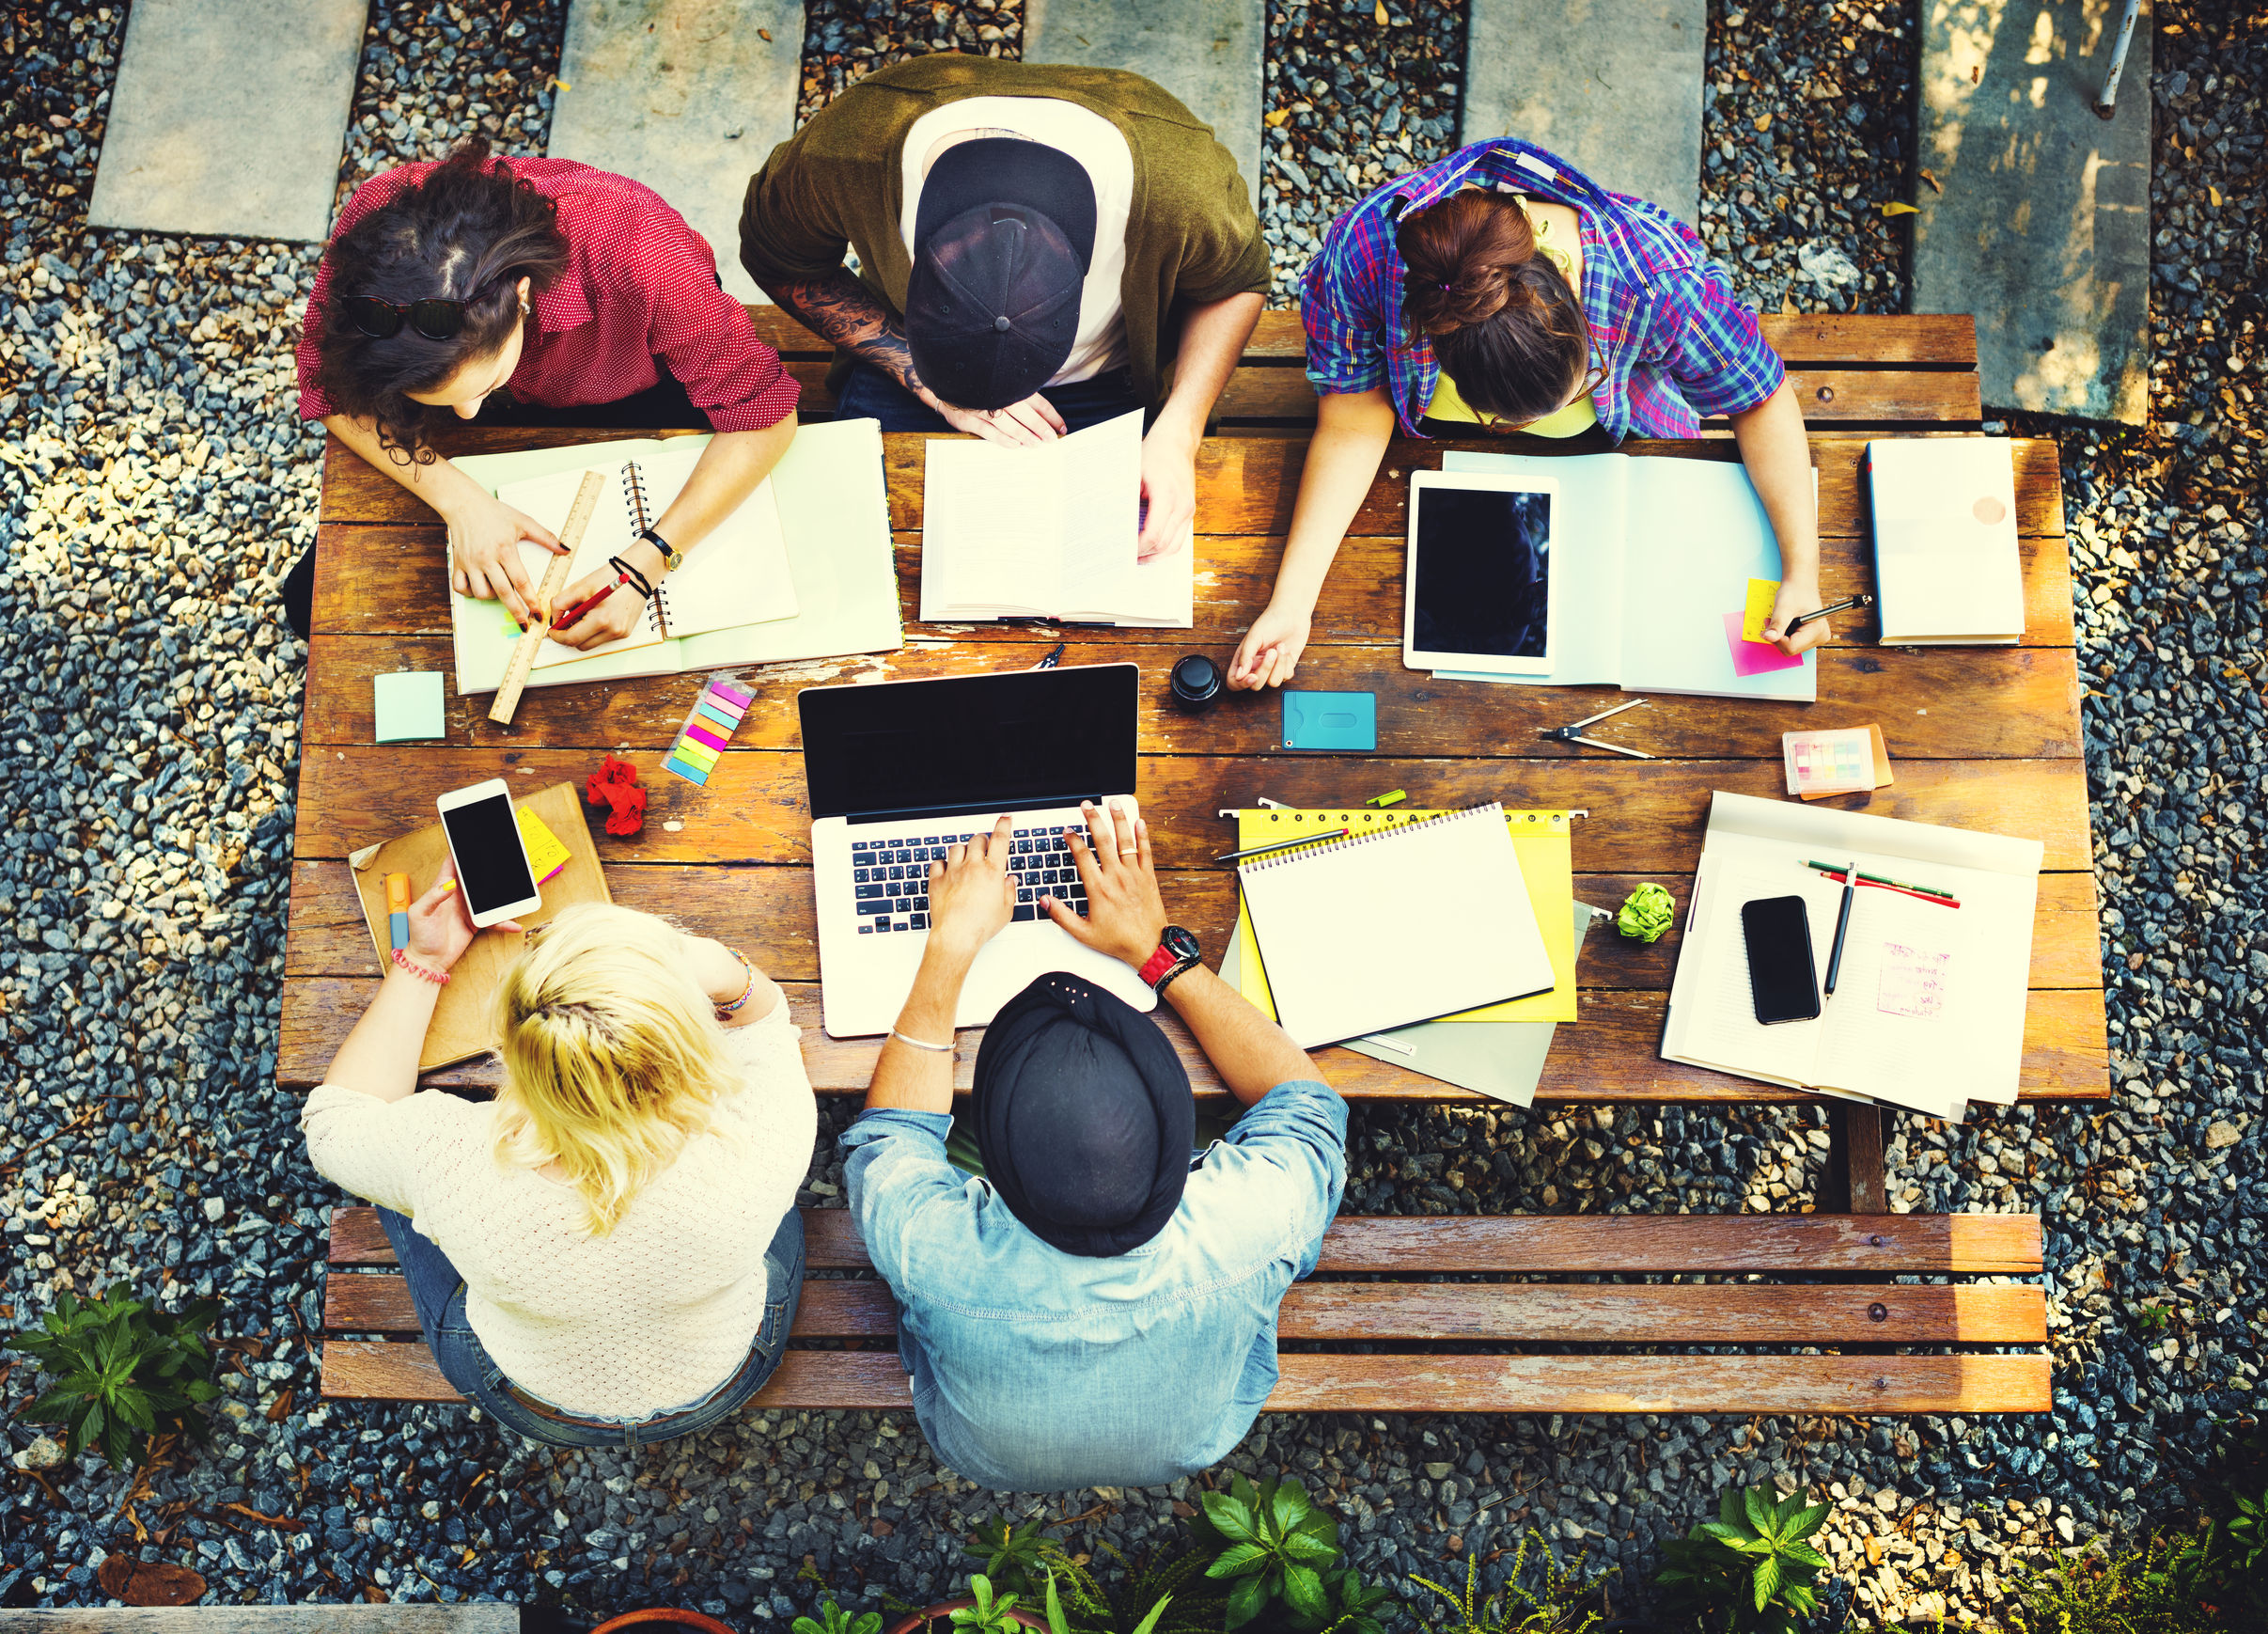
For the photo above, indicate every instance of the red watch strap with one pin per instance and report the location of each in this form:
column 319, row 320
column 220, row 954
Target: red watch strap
column 1157, row 964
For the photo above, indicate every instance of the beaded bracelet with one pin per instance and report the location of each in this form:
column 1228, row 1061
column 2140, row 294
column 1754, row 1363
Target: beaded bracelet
column 438, row 978
column 724, row 1010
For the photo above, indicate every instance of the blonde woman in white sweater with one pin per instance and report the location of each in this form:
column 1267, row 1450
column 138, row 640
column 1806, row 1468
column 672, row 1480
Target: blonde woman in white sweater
column 608, row 1253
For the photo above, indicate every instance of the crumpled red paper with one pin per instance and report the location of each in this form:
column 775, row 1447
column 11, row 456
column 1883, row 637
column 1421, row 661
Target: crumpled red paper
column 614, row 785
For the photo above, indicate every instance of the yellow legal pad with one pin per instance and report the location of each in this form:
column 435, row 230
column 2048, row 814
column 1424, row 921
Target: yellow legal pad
column 1545, row 847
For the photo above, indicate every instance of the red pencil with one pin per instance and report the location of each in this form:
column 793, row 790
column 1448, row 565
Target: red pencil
column 576, row 612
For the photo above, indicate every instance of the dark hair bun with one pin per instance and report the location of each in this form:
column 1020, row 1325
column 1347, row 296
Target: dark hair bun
column 1501, row 318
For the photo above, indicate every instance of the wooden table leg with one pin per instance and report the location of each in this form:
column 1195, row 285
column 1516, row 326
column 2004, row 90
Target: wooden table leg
column 1854, row 1180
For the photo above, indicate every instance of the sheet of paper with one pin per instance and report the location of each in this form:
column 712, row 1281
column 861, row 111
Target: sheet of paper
column 409, row 706
column 1754, row 657
column 1099, row 512
column 1762, row 594
column 992, row 519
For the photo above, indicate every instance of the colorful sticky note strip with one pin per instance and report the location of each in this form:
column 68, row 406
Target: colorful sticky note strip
column 708, row 730
column 1754, row 657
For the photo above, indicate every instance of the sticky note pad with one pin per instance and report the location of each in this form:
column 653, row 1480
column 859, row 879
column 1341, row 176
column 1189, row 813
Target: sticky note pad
column 409, row 706
column 546, row 856
column 706, row 734
column 1754, row 657
column 691, row 774
column 694, row 754
column 710, row 712
column 733, row 695
column 1331, row 720
column 1762, row 594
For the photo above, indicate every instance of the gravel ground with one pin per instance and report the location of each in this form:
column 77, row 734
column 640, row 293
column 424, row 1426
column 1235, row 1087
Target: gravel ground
column 156, row 485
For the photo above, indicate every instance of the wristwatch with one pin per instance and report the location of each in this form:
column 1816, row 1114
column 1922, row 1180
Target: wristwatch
column 671, row 559
column 1177, row 952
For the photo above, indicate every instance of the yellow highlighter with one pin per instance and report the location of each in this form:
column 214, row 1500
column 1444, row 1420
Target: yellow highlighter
column 397, row 910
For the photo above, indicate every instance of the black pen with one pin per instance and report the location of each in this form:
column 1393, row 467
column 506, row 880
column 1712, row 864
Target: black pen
column 1861, row 599
column 1281, row 844
column 1842, row 923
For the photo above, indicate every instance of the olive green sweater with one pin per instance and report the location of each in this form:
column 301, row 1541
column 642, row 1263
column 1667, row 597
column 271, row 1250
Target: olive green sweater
column 1191, row 235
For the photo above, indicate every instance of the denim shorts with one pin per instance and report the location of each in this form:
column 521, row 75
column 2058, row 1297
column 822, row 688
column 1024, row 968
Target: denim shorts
column 439, row 1294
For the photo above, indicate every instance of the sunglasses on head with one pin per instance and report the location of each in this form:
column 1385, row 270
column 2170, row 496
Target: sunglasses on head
column 436, row 319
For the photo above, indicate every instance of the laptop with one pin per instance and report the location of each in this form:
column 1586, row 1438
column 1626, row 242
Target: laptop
column 897, row 771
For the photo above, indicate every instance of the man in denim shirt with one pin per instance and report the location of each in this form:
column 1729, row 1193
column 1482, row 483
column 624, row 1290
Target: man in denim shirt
column 1102, row 1310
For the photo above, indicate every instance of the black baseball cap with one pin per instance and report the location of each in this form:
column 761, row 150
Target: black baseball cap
column 1004, row 234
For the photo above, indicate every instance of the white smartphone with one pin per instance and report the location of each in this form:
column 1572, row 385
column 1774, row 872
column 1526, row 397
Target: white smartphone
column 485, row 844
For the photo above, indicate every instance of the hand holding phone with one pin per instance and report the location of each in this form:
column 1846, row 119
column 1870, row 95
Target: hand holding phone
column 440, row 926
column 486, row 853
column 1781, row 974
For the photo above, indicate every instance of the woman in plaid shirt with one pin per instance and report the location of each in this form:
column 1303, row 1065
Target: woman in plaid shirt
column 1500, row 289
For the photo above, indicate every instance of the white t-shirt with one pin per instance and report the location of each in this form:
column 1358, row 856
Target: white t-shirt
column 1102, row 153
column 651, row 1316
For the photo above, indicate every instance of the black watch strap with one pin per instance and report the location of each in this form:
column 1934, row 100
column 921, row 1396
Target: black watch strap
column 672, row 560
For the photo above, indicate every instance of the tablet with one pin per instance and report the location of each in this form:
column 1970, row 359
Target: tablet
column 1477, row 585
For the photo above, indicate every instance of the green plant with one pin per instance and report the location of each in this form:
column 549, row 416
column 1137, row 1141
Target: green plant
column 1749, row 1571
column 1014, row 1557
column 2153, row 1318
column 2098, row 1592
column 833, row 1618
column 1277, row 1546
column 989, row 1615
column 2223, row 1566
column 122, row 1372
column 1059, row 1624
column 1196, row 1605
column 1561, row 1601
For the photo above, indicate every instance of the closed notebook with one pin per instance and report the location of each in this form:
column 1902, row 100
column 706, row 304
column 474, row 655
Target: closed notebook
column 1946, row 566
column 1382, row 929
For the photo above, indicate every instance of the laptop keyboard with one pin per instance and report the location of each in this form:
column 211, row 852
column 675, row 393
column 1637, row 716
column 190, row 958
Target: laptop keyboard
column 890, row 878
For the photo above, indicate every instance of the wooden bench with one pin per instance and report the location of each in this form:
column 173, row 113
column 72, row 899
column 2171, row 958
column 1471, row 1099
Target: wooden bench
column 1376, row 1331
column 1855, row 373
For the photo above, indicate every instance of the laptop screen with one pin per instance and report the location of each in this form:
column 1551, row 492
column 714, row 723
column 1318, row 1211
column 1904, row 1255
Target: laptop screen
column 967, row 743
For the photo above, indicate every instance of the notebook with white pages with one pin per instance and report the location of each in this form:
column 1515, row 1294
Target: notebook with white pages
column 1927, row 1009
column 738, row 574
column 1382, row 929
column 1048, row 532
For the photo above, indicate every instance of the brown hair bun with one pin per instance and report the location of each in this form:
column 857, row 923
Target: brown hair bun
column 1502, row 319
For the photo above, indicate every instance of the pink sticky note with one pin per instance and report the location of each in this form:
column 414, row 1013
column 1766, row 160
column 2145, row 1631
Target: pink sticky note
column 702, row 732
column 1754, row 657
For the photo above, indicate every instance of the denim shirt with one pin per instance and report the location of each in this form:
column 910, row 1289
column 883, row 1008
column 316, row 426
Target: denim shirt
column 1038, row 1370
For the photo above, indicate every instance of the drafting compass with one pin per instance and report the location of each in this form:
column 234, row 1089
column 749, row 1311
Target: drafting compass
column 1573, row 733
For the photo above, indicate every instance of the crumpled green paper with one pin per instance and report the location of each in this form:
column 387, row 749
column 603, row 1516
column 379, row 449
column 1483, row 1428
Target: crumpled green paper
column 1646, row 913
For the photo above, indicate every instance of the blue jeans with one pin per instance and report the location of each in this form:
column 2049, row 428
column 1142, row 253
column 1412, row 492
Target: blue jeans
column 438, row 1292
column 870, row 394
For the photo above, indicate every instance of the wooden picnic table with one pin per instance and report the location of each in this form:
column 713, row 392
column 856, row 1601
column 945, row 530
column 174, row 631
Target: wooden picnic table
column 1981, row 737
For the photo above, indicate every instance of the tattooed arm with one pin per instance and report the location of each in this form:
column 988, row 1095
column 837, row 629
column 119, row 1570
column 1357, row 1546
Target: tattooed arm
column 841, row 309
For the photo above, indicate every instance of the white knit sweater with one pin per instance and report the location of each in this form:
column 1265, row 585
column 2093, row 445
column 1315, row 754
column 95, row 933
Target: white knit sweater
column 651, row 1316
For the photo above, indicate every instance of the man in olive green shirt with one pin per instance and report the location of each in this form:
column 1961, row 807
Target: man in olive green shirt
column 1040, row 248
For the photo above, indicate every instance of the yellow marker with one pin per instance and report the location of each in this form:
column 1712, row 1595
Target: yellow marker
column 1762, row 594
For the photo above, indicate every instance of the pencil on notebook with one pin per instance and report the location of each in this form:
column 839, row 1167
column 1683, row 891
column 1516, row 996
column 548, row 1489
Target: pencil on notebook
column 1926, row 892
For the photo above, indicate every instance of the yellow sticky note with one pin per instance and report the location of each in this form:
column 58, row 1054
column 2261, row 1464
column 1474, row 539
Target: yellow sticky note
column 546, row 856
column 1762, row 594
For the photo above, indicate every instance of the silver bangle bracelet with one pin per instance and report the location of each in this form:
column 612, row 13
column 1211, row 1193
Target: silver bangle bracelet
column 921, row 1042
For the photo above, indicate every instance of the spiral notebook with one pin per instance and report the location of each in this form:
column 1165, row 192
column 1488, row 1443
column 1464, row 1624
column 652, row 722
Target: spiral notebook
column 1382, row 930
column 738, row 574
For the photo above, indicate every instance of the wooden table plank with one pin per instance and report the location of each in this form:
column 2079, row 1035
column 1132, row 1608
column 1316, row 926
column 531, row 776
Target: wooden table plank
column 1246, row 485
column 875, row 1381
column 1849, row 340
column 374, row 580
column 1610, row 1058
column 1977, row 1245
column 1491, row 1312
column 768, row 914
column 1994, row 704
column 1646, row 816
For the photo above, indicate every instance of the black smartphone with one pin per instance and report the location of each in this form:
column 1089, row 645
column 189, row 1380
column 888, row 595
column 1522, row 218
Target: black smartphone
column 1778, row 929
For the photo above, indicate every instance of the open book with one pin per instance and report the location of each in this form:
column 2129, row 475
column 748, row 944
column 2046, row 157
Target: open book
column 1927, row 1009
column 813, row 557
column 1047, row 532
column 1649, row 558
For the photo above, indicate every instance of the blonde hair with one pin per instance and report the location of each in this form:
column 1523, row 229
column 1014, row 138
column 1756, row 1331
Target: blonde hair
column 612, row 1058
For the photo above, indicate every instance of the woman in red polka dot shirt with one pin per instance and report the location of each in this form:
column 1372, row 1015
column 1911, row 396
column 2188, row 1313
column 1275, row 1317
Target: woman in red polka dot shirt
column 532, row 292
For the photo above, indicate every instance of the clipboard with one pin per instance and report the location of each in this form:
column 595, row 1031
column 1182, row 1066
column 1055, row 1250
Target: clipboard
column 1544, row 842
column 460, row 1028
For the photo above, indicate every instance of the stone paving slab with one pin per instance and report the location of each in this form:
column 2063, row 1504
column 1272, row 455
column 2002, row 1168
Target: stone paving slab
column 228, row 117
column 1205, row 52
column 687, row 96
column 2043, row 228
column 1613, row 87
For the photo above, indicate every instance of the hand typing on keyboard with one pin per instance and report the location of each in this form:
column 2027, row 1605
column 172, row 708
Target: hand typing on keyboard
column 1120, row 882
column 890, row 878
column 971, row 894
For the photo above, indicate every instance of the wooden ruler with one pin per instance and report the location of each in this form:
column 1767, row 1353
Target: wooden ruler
column 554, row 580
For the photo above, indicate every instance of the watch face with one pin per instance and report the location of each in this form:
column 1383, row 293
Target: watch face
column 1182, row 942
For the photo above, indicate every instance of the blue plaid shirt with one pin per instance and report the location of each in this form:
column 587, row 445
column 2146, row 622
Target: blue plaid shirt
column 1673, row 340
